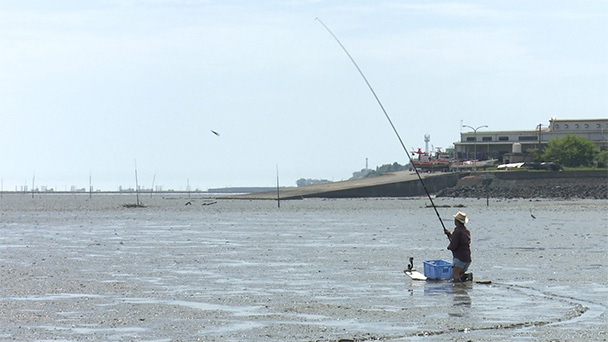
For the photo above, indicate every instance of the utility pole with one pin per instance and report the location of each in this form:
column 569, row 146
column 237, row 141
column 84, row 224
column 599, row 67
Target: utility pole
column 475, row 144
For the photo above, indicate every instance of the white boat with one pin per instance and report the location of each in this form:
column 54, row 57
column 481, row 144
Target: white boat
column 473, row 164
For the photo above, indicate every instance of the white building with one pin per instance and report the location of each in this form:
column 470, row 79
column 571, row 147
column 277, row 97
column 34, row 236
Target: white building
column 484, row 145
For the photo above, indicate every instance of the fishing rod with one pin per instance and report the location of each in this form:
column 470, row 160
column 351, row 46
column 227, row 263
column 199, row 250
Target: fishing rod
column 388, row 118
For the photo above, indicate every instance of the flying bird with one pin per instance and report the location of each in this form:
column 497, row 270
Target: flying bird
column 216, row 133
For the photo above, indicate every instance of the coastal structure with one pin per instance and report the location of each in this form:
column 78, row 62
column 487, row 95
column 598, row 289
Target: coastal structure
column 490, row 184
column 512, row 146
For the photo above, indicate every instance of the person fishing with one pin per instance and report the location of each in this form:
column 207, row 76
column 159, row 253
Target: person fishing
column 461, row 238
column 460, row 245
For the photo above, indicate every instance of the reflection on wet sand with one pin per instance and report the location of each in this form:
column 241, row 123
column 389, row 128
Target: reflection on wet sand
column 461, row 294
column 458, row 292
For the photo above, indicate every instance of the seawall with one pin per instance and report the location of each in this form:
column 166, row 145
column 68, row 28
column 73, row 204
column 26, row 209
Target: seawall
column 496, row 184
column 395, row 184
column 531, row 184
column 409, row 188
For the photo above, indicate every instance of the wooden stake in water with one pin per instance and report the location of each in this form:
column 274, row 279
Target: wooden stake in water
column 188, row 187
column 136, row 185
column 278, row 193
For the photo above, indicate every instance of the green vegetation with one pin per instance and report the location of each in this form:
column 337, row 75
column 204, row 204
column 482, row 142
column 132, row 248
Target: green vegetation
column 574, row 151
column 601, row 158
column 394, row 167
column 386, row 168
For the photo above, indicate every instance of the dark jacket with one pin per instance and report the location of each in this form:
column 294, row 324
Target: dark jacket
column 460, row 244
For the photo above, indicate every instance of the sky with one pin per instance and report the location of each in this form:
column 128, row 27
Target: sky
column 91, row 91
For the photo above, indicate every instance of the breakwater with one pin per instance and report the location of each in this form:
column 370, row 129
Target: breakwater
column 531, row 184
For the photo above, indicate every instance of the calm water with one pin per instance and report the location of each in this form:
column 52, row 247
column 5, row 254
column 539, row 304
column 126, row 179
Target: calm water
column 76, row 268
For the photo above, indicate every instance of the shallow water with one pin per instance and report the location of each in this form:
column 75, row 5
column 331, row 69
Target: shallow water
column 76, row 268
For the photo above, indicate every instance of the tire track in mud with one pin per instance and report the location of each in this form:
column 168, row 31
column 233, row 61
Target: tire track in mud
column 578, row 308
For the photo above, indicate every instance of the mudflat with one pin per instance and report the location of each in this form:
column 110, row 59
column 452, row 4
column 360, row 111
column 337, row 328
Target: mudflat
column 80, row 268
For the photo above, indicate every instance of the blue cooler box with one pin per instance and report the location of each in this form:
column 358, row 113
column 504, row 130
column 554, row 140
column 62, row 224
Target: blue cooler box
column 437, row 269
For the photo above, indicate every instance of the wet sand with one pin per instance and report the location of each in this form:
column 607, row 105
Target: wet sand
column 76, row 268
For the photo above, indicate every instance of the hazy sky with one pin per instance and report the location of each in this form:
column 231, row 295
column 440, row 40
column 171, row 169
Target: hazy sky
column 90, row 88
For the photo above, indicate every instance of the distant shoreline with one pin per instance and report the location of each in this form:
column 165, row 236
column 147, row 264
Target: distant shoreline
column 230, row 190
column 500, row 184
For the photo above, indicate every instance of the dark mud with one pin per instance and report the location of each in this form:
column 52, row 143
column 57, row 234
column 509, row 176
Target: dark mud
column 80, row 269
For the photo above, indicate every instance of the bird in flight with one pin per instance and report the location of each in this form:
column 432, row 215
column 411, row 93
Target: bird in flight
column 216, row 133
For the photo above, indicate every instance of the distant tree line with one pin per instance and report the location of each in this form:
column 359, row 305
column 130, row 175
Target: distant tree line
column 394, row 167
column 386, row 168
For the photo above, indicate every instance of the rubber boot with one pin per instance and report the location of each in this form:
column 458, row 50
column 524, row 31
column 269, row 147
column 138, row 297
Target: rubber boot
column 466, row 277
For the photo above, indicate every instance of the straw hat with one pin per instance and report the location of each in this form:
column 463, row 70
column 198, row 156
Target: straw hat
column 461, row 217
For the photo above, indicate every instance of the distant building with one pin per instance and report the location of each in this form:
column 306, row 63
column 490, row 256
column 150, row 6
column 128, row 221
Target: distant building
column 512, row 146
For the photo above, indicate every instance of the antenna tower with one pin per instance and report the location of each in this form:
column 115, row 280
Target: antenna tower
column 427, row 139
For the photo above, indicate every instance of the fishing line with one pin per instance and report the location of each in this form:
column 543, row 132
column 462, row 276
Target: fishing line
column 387, row 117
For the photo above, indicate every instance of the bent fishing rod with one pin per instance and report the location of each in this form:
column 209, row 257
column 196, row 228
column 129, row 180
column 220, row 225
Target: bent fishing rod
column 388, row 118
